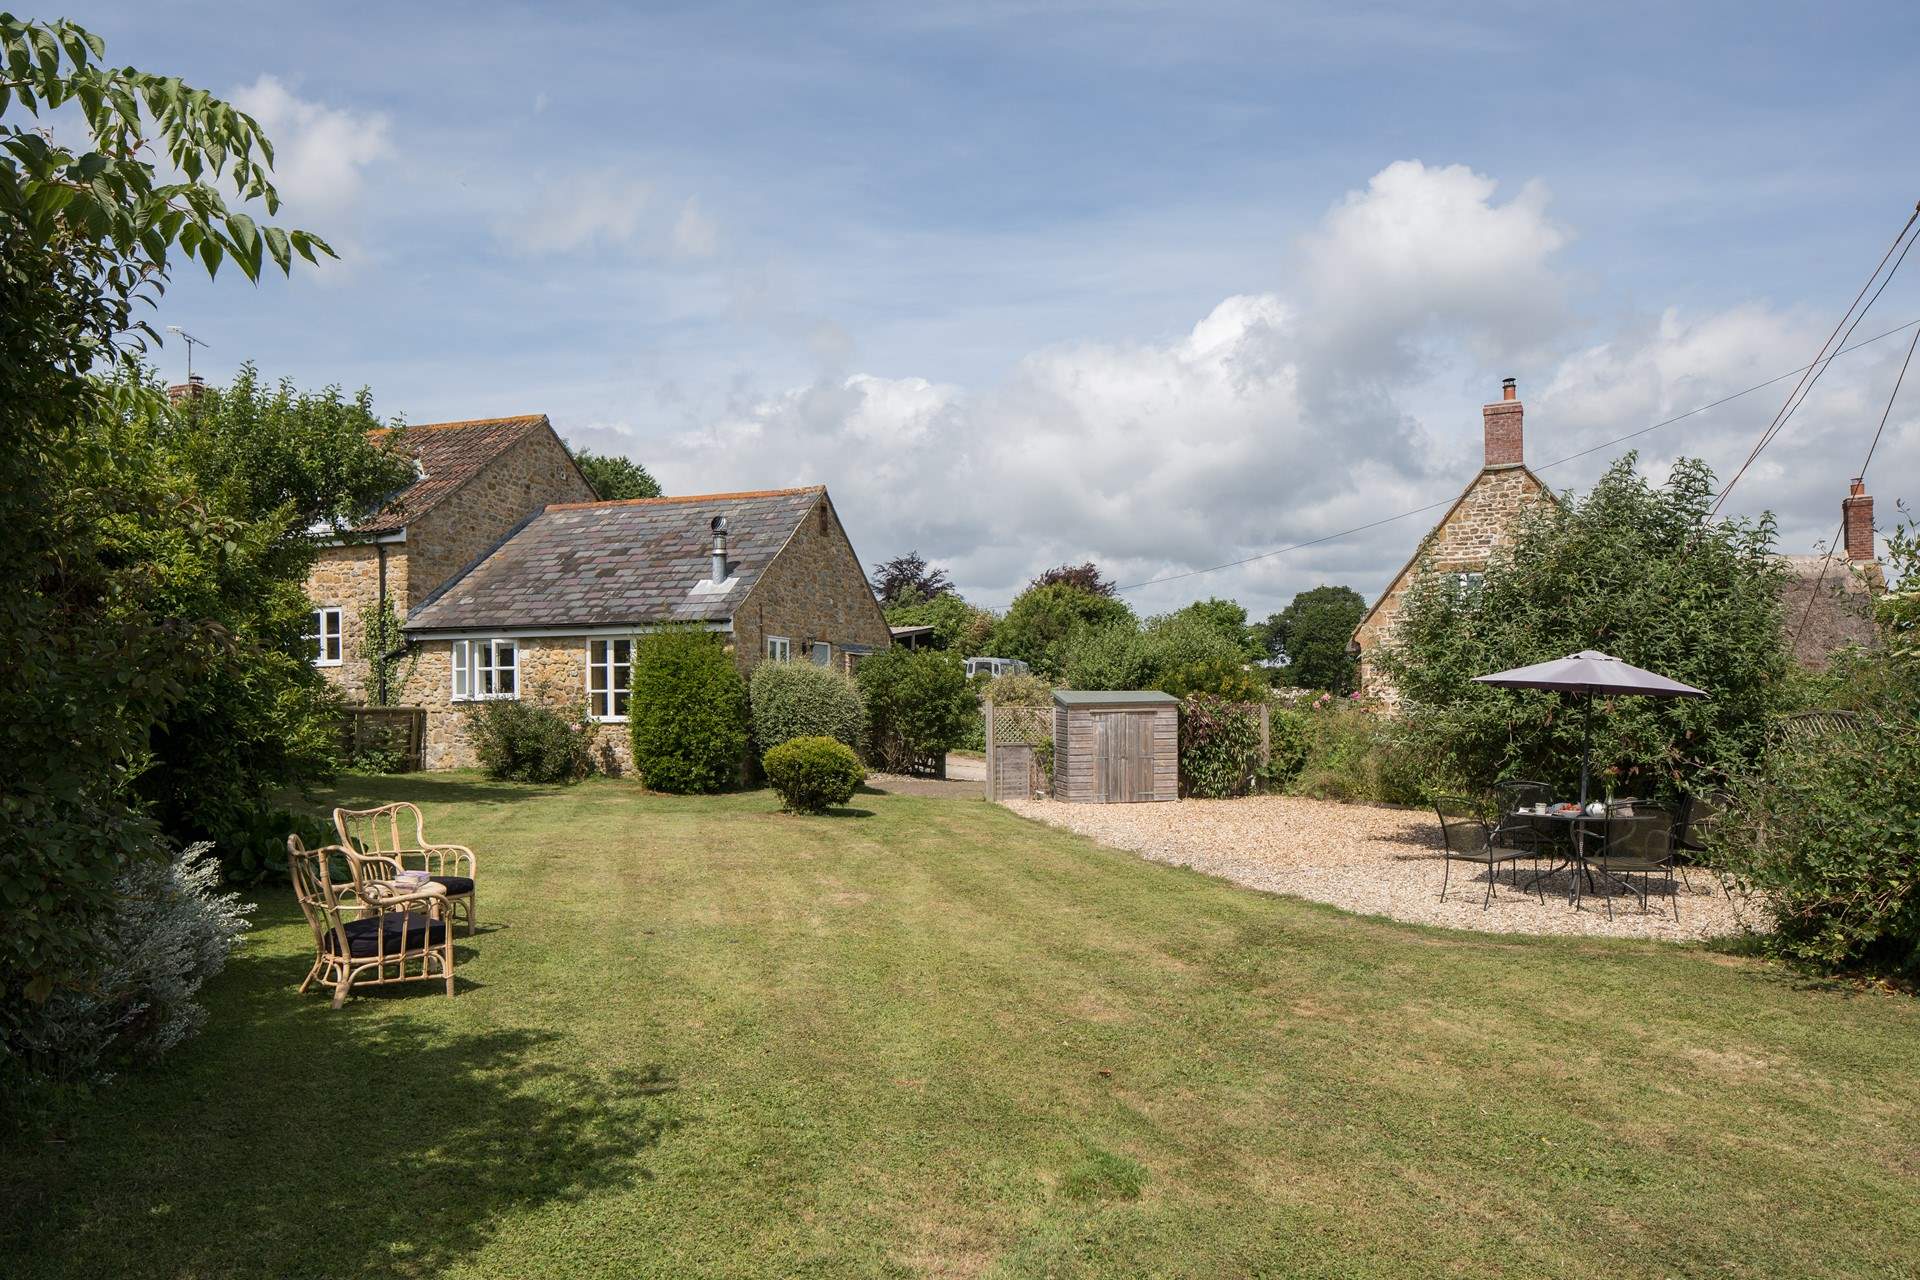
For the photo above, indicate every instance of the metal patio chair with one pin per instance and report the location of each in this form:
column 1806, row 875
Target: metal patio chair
column 1638, row 840
column 1468, row 837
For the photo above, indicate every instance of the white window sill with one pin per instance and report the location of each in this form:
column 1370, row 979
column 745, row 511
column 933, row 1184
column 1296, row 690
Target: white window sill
column 328, row 662
column 488, row 697
column 606, row 719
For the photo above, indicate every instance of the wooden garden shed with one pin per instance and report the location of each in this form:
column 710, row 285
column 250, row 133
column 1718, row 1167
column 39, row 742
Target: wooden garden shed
column 1115, row 747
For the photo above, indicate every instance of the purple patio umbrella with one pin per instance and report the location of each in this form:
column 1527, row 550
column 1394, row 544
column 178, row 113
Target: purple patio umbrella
column 1589, row 672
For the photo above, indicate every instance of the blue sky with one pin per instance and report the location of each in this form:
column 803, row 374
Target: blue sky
column 1163, row 286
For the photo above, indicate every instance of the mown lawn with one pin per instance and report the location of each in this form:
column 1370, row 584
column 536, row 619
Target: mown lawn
column 697, row 1037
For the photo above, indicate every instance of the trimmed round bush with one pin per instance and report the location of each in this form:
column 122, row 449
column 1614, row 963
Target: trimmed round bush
column 688, row 714
column 799, row 700
column 813, row 774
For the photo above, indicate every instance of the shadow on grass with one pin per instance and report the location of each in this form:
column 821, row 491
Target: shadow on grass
column 293, row 1140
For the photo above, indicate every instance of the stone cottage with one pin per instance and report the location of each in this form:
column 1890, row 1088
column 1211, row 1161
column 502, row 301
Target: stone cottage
column 474, row 481
column 1480, row 521
column 512, row 580
column 1840, row 585
column 551, row 610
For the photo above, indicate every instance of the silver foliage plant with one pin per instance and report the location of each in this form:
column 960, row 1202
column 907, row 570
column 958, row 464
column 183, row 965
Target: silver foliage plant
column 172, row 929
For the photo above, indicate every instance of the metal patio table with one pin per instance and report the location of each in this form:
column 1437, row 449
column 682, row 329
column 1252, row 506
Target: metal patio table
column 1579, row 821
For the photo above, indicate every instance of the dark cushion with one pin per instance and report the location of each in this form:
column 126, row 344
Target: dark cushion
column 456, row 885
column 363, row 936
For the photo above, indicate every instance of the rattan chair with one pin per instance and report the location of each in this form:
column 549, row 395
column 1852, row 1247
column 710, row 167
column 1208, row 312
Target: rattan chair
column 377, row 831
column 1468, row 837
column 1639, row 841
column 400, row 937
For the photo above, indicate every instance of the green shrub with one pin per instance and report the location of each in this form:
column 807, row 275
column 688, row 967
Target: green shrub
column 1019, row 690
column 1827, row 832
column 799, row 700
column 527, row 742
column 812, row 774
column 1179, row 653
column 1219, row 746
column 171, row 930
column 1356, row 756
column 919, row 706
column 1289, row 737
column 688, row 715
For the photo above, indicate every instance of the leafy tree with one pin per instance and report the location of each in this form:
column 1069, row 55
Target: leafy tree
column 1044, row 620
column 1311, row 636
column 1229, row 618
column 688, row 715
column 217, row 496
column 919, row 705
column 908, row 580
column 958, row 625
column 1180, row 653
column 1082, row 577
column 89, row 230
column 615, row 476
column 1635, row 571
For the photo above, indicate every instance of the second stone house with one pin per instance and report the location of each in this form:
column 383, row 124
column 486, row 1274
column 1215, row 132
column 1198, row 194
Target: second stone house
column 510, row 580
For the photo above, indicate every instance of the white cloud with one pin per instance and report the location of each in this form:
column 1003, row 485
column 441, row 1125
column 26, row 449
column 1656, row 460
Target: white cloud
column 321, row 153
column 694, row 234
column 591, row 210
column 1278, row 419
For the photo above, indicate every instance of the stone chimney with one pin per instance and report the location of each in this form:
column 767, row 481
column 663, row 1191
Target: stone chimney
column 1856, row 514
column 1502, row 421
column 192, row 389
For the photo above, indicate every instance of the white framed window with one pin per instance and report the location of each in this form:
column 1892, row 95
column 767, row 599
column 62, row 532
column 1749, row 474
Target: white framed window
column 822, row 654
column 609, row 678
column 324, row 636
column 485, row 669
column 779, row 649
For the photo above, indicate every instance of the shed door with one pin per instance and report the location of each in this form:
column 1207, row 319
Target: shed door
column 1122, row 756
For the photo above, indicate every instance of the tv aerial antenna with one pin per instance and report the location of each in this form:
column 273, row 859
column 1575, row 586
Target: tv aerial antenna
column 191, row 342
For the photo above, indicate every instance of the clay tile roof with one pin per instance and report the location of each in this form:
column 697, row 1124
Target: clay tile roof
column 449, row 454
column 624, row 563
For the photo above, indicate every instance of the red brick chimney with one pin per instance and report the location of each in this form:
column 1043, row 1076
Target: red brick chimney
column 1502, row 419
column 1856, row 513
column 192, row 389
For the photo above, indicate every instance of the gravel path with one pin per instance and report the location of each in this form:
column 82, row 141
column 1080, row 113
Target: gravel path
column 1371, row 859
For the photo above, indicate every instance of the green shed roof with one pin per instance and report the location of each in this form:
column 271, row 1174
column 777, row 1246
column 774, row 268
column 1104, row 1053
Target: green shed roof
column 1113, row 698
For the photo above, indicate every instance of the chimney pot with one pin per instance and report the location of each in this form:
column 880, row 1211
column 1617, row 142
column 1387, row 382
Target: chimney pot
column 1509, row 390
column 1856, row 520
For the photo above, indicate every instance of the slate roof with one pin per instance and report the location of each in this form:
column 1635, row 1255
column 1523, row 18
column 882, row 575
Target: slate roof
column 449, row 454
column 627, row 563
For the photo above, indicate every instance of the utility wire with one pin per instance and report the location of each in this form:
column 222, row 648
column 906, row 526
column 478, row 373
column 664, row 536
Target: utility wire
column 1605, row 444
column 1839, row 538
column 1804, row 387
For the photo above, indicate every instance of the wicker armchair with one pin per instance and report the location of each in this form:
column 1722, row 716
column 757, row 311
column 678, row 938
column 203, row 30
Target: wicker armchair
column 378, row 832
column 1469, row 838
column 402, row 937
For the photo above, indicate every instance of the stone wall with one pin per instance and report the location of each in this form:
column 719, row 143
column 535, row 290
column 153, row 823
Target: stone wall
column 553, row 671
column 1463, row 542
column 348, row 578
column 452, row 534
column 814, row 590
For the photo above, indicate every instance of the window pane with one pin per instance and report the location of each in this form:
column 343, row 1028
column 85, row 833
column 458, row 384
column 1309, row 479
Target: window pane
column 623, row 651
column 333, row 647
column 620, row 697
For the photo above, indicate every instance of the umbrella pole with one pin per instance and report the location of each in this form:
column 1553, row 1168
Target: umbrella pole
column 1586, row 747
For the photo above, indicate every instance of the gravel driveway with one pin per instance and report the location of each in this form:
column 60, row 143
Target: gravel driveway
column 1370, row 859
